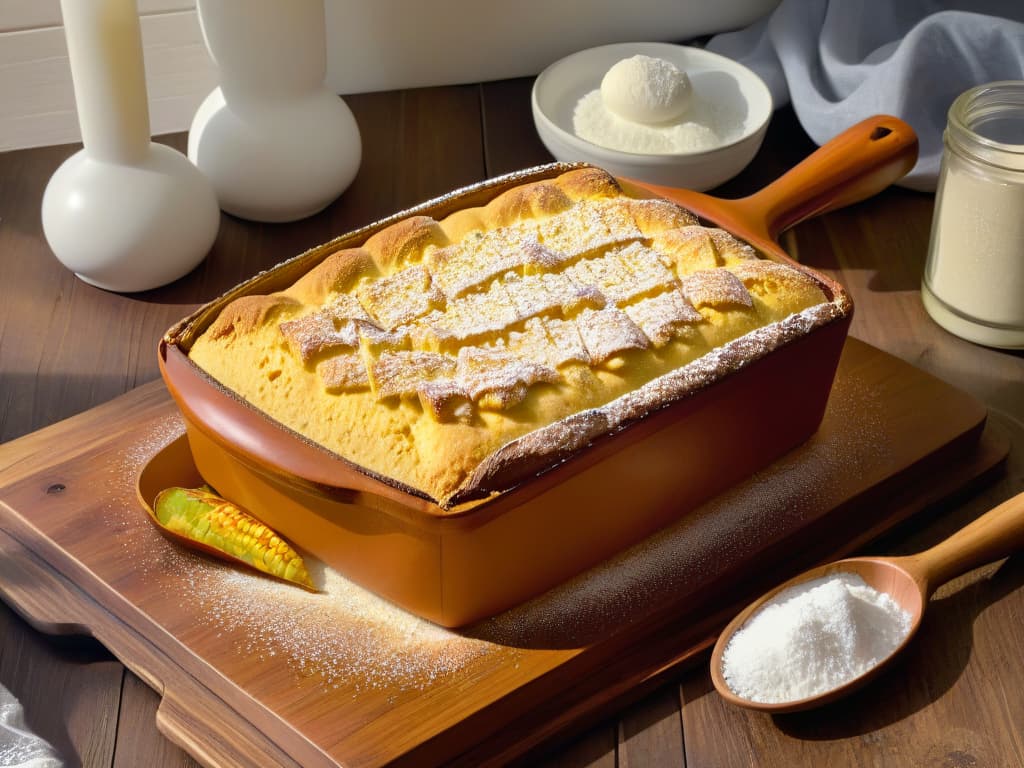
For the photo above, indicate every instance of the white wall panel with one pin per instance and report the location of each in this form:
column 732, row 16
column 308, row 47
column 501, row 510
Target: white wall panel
column 36, row 97
column 372, row 45
column 34, row 14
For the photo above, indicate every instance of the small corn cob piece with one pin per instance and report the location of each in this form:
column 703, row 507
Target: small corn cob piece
column 202, row 520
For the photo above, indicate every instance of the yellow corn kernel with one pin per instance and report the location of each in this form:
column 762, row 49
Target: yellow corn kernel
column 203, row 520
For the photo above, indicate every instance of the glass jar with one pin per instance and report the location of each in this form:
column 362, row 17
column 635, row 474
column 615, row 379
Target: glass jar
column 973, row 283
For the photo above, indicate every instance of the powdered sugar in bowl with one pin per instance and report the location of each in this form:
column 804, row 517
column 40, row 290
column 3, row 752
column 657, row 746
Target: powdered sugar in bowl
column 666, row 114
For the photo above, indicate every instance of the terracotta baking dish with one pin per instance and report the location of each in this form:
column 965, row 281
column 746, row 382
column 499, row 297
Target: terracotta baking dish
column 458, row 565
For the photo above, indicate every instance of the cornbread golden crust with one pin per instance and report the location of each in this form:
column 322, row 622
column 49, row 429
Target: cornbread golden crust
column 456, row 357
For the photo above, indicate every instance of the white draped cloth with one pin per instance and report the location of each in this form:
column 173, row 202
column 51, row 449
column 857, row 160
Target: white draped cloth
column 840, row 61
column 19, row 746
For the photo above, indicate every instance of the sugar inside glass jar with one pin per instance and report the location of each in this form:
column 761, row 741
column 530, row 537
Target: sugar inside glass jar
column 973, row 282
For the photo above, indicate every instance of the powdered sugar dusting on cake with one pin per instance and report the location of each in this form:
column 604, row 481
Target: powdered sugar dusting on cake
column 661, row 317
column 487, row 371
column 608, row 332
column 715, row 287
column 663, row 390
column 343, row 373
column 585, row 272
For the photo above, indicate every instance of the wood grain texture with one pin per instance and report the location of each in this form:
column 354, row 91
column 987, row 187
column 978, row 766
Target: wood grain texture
column 594, row 749
column 66, row 347
column 81, row 726
column 652, row 732
column 138, row 712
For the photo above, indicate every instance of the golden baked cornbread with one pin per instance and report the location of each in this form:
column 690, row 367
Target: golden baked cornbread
column 457, row 357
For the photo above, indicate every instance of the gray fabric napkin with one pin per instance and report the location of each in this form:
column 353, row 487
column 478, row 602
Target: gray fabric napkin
column 19, row 747
column 840, row 61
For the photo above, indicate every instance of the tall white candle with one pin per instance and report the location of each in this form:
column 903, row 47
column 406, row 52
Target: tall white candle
column 124, row 213
column 105, row 50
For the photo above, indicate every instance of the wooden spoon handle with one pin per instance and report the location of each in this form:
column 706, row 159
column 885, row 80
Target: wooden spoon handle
column 997, row 533
column 858, row 163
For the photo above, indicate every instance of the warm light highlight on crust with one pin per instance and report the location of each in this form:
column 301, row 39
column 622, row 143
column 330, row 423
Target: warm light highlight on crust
column 423, row 353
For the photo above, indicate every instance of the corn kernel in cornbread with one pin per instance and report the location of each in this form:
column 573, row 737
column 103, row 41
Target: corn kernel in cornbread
column 425, row 352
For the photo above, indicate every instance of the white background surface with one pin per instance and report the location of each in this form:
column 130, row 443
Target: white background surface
column 372, row 45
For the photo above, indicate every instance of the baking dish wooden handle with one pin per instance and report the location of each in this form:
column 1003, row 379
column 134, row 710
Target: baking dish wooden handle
column 858, row 163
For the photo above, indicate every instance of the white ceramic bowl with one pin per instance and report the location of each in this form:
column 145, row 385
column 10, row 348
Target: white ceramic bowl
column 736, row 93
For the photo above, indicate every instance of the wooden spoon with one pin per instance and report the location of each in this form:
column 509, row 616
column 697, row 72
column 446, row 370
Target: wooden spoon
column 909, row 580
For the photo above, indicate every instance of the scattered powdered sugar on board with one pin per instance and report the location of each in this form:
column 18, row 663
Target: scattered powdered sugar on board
column 812, row 638
column 121, row 511
column 149, row 442
column 344, row 634
column 126, row 463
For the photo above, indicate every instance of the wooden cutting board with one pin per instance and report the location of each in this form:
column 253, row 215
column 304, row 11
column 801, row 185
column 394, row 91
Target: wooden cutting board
column 257, row 673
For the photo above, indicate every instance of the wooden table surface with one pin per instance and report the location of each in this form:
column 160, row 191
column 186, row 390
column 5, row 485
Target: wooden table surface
column 956, row 699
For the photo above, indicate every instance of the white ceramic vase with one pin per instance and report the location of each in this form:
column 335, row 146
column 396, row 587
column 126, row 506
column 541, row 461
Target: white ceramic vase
column 274, row 141
column 123, row 213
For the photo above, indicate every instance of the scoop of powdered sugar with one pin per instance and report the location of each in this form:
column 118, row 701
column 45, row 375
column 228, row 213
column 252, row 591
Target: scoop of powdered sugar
column 645, row 89
column 812, row 638
column 647, row 105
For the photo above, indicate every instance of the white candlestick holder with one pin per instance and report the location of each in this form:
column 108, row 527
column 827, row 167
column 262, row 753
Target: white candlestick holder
column 124, row 214
column 274, row 141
